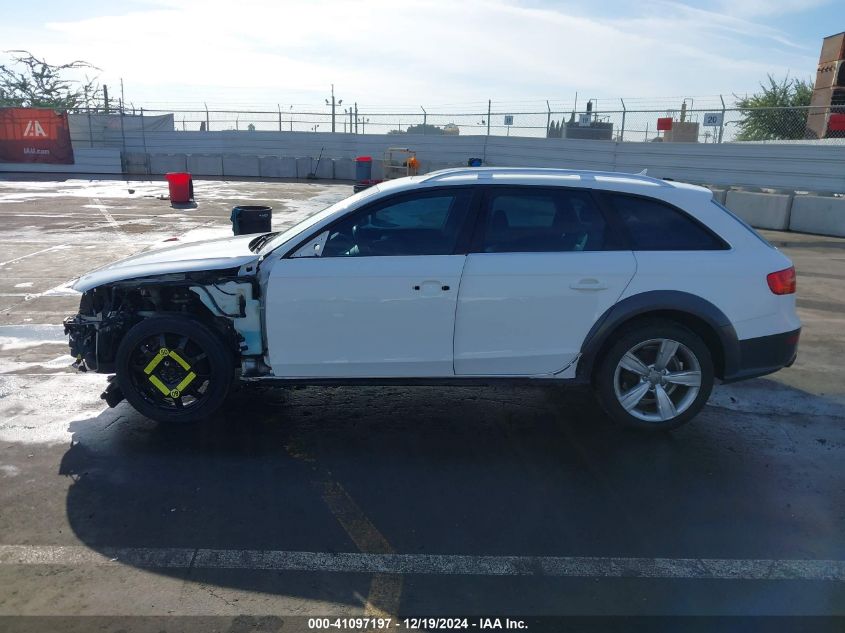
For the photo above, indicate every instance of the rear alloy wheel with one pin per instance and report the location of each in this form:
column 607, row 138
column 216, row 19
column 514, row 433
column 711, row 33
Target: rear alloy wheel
column 174, row 369
column 657, row 376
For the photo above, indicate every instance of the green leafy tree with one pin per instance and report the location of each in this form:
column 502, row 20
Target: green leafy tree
column 420, row 128
column 31, row 82
column 777, row 112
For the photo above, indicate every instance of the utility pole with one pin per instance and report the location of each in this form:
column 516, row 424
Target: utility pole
column 332, row 103
column 356, row 117
column 88, row 110
column 624, row 112
column 106, row 97
column 489, row 108
column 122, row 130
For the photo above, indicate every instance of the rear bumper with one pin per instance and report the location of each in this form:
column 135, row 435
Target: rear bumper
column 764, row 355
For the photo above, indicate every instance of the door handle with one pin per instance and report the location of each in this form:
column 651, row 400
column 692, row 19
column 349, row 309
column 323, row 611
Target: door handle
column 588, row 284
column 431, row 284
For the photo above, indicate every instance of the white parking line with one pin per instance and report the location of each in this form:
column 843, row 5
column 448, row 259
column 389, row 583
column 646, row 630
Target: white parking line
column 98, row 204
column 43, row 250
column 153, row 216
column 437, row 564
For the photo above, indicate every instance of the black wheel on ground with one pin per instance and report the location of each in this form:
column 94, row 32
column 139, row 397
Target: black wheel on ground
column 657, row 376
column 174, row 369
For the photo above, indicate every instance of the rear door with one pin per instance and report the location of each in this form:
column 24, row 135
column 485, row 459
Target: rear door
column 676, row 251
column 545, row 265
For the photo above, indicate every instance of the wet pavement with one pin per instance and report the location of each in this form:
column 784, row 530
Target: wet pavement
column 394, row 501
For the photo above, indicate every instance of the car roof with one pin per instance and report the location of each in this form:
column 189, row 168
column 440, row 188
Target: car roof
column 608, row 180
column 678, row 193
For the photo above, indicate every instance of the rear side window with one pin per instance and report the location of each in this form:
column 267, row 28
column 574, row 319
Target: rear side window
column 653, row 225
column 533, row 220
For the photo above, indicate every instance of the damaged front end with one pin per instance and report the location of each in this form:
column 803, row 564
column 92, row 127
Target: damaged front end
column 97, row 326
column 222, row 300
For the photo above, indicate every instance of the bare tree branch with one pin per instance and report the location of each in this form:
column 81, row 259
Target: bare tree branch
column 32, row 82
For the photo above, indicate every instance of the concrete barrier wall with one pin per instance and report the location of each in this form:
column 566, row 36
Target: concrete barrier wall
column 818, row 214
column 761, row 210
column 324, row 168
column 719, row 195
column 344, row 169
column 795, row 166
column 240, row 165
column 277, row 167
column 205, row 164
column 164, row 163
column 805, row 167
column 303, row 167
column 136, row 163
column 803, row 213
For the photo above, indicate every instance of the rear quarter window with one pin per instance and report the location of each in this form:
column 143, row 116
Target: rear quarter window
column 654, row 225
column 745, row 224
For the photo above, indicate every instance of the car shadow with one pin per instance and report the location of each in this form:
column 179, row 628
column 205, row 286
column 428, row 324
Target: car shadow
column 480, row 471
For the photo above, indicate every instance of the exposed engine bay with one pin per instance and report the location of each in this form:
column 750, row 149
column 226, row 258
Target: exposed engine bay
column 220, row 299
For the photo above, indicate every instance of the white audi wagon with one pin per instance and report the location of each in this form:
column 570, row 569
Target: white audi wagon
column 644, row 289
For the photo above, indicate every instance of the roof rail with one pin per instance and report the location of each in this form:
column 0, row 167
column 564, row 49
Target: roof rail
column 584, row 174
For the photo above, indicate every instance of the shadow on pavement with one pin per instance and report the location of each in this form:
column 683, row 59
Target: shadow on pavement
column 504, row 471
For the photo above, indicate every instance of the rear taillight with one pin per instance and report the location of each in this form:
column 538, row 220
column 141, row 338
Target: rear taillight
column 782, row 282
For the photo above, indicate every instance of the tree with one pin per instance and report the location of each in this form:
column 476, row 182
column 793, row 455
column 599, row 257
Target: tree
column 420, row 128
column 30, row 82
column 777, row 112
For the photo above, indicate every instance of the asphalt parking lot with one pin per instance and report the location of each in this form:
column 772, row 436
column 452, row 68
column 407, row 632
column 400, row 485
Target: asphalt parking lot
column 405, row 502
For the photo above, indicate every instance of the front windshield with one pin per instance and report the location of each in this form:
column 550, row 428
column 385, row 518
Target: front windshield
column 315, row 219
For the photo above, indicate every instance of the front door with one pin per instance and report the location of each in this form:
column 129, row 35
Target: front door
column 379, row 301
column 546, row 266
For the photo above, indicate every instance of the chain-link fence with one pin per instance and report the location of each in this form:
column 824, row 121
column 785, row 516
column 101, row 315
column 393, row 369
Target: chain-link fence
column 622, row 124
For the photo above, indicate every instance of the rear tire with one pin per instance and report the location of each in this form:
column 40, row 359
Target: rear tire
column 174, row 369
column 657, row 376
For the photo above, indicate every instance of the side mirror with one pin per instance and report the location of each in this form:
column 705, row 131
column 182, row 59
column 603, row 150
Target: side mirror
column 314, row 247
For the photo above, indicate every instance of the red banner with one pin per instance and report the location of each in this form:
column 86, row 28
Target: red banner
column 836, row 123
column 34, row 135
column 664, row 123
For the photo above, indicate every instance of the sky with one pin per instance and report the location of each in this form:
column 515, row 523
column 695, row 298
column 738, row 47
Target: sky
column 443, row 55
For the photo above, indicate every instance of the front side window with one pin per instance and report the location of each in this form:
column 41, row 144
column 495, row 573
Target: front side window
column 420, row 224
column 543, row 220
column 299, row 229
column 653, row 225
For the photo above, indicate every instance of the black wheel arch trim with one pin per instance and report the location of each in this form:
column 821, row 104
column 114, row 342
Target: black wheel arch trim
column 657, row 301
